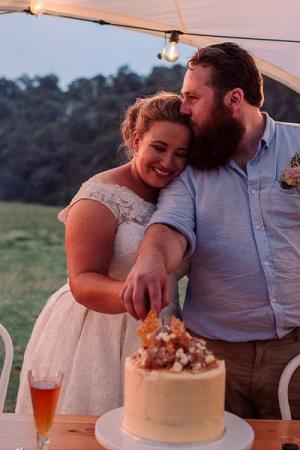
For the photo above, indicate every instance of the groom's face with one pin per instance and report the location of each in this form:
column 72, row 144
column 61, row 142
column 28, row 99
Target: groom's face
column 217, row 133
column 198, row 97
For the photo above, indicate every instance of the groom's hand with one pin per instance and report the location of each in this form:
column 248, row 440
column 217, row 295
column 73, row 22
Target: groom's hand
column 146, row 287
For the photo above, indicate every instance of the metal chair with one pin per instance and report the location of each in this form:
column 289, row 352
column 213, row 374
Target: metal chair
column 283, row 388
column 5, row 373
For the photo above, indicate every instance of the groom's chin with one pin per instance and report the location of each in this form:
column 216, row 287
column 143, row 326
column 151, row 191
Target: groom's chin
column 211, row 154
column 216, row 144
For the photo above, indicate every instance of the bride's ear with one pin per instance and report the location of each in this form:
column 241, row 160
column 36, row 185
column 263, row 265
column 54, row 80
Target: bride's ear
column 135, row 142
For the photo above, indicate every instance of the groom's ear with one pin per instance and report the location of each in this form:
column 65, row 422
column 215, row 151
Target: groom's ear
column 234, row 99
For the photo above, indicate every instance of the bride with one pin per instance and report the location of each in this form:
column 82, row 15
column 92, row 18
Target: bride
column 83, row 329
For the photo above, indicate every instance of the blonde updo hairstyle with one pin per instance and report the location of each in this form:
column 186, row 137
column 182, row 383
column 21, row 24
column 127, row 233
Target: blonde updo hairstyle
column 139, row 117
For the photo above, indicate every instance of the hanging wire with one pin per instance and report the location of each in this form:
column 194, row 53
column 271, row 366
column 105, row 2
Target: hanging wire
column 253, row 38
column 182, row 33
column 250, row 38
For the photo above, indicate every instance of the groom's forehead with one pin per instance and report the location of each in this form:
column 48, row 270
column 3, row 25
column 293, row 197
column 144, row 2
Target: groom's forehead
column 196, row 78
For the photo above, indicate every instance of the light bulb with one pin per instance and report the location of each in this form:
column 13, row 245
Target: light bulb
column 37, row 7
column 171, row 53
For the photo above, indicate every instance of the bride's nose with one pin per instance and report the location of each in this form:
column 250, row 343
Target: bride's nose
column 167, row 161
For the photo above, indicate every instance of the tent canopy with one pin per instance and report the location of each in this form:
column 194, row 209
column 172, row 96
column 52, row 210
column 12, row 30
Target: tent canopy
column 270, row 21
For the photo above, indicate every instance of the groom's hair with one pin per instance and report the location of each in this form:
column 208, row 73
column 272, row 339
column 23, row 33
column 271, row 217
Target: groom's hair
column 232, row 67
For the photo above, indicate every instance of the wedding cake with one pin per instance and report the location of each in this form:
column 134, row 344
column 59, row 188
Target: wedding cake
column 174, row 386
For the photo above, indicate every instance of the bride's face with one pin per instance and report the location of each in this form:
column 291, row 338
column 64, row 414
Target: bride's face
column 161, row 153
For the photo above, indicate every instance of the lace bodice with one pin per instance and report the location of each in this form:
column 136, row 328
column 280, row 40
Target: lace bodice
column 131, row 212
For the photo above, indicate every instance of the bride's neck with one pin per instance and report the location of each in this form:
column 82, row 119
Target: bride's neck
column 137, row 184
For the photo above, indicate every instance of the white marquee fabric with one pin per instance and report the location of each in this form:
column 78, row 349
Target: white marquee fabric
column 268, row 19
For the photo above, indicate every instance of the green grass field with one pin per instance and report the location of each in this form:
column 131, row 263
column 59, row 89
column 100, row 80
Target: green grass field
column 32, row 266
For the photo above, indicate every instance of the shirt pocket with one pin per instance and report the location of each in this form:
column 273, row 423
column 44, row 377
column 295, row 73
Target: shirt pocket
column 285, row 204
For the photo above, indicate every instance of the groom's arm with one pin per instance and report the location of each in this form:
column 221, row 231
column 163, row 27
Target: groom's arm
column 160, row 253
column 171, row 234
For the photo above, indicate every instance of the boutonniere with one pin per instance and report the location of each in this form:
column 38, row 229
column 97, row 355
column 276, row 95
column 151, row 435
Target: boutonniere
column 291, row 176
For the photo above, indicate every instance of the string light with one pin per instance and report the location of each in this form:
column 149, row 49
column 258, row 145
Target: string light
column 36, row 7
column 170, row 52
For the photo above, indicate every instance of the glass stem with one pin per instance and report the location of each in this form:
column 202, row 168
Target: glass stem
column 42, row 442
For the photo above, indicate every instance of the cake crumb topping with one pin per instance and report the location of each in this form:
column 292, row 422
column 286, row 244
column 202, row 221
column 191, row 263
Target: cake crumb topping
column 171, row 347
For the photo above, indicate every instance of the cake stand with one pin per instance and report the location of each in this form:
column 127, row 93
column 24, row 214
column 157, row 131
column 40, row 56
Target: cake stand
column 238, row 435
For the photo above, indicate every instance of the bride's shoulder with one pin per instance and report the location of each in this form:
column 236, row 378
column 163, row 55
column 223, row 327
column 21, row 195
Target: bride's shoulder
column 107, row 189
column 120, row 180
column 111, row 183
column 120, row 175
column 111, row 176
column 99, row 188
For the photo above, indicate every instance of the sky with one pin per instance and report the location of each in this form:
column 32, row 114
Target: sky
column 72, row 49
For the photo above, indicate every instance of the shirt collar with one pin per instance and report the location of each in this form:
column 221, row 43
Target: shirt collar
column 269, row 131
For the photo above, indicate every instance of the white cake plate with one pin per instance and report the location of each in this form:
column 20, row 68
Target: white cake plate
column 238, row 435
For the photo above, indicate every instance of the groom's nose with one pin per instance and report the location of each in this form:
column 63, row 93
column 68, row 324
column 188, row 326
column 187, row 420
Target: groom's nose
column 184, row 109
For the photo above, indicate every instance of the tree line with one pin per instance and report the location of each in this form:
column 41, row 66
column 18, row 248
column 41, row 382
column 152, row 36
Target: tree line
column 51, row 139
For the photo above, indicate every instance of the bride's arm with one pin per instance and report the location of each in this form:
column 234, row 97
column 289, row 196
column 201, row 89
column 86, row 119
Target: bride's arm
column 90, row 234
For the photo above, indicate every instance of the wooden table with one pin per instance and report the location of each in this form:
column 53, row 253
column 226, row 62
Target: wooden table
column 77, row 433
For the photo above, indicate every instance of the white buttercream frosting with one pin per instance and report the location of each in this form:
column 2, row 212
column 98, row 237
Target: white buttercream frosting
column 174, row 387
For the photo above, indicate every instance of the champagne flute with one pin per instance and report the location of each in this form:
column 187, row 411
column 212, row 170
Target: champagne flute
column 44, row 386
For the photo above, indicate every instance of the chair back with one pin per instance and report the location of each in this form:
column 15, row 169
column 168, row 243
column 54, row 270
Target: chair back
column 283, row 388
column 6, row 369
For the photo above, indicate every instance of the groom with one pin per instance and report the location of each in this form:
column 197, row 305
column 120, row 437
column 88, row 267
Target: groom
column 236, row 214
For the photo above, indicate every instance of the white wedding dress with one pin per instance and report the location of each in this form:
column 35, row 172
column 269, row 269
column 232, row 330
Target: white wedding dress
column 89, row 347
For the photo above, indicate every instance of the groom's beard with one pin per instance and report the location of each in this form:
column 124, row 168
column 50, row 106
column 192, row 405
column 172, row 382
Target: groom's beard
column 217, row 141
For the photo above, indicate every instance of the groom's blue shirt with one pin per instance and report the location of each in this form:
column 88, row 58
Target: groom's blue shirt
column 243, row 232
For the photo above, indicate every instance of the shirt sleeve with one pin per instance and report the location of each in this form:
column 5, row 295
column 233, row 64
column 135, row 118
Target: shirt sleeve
column 176, row 208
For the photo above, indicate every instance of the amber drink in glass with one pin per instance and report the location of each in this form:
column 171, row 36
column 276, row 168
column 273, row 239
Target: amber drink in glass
column 44, row 388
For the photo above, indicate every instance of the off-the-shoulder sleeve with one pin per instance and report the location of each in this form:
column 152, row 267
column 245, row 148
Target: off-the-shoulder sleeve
column 94, row 190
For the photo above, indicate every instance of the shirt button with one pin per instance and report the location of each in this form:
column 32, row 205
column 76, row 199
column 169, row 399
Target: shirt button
column 274, row 300
column 267, row 263
column 257, row 227
column 253, row 190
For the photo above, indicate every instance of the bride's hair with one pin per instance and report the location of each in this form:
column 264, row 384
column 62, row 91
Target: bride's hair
column 139, row 117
